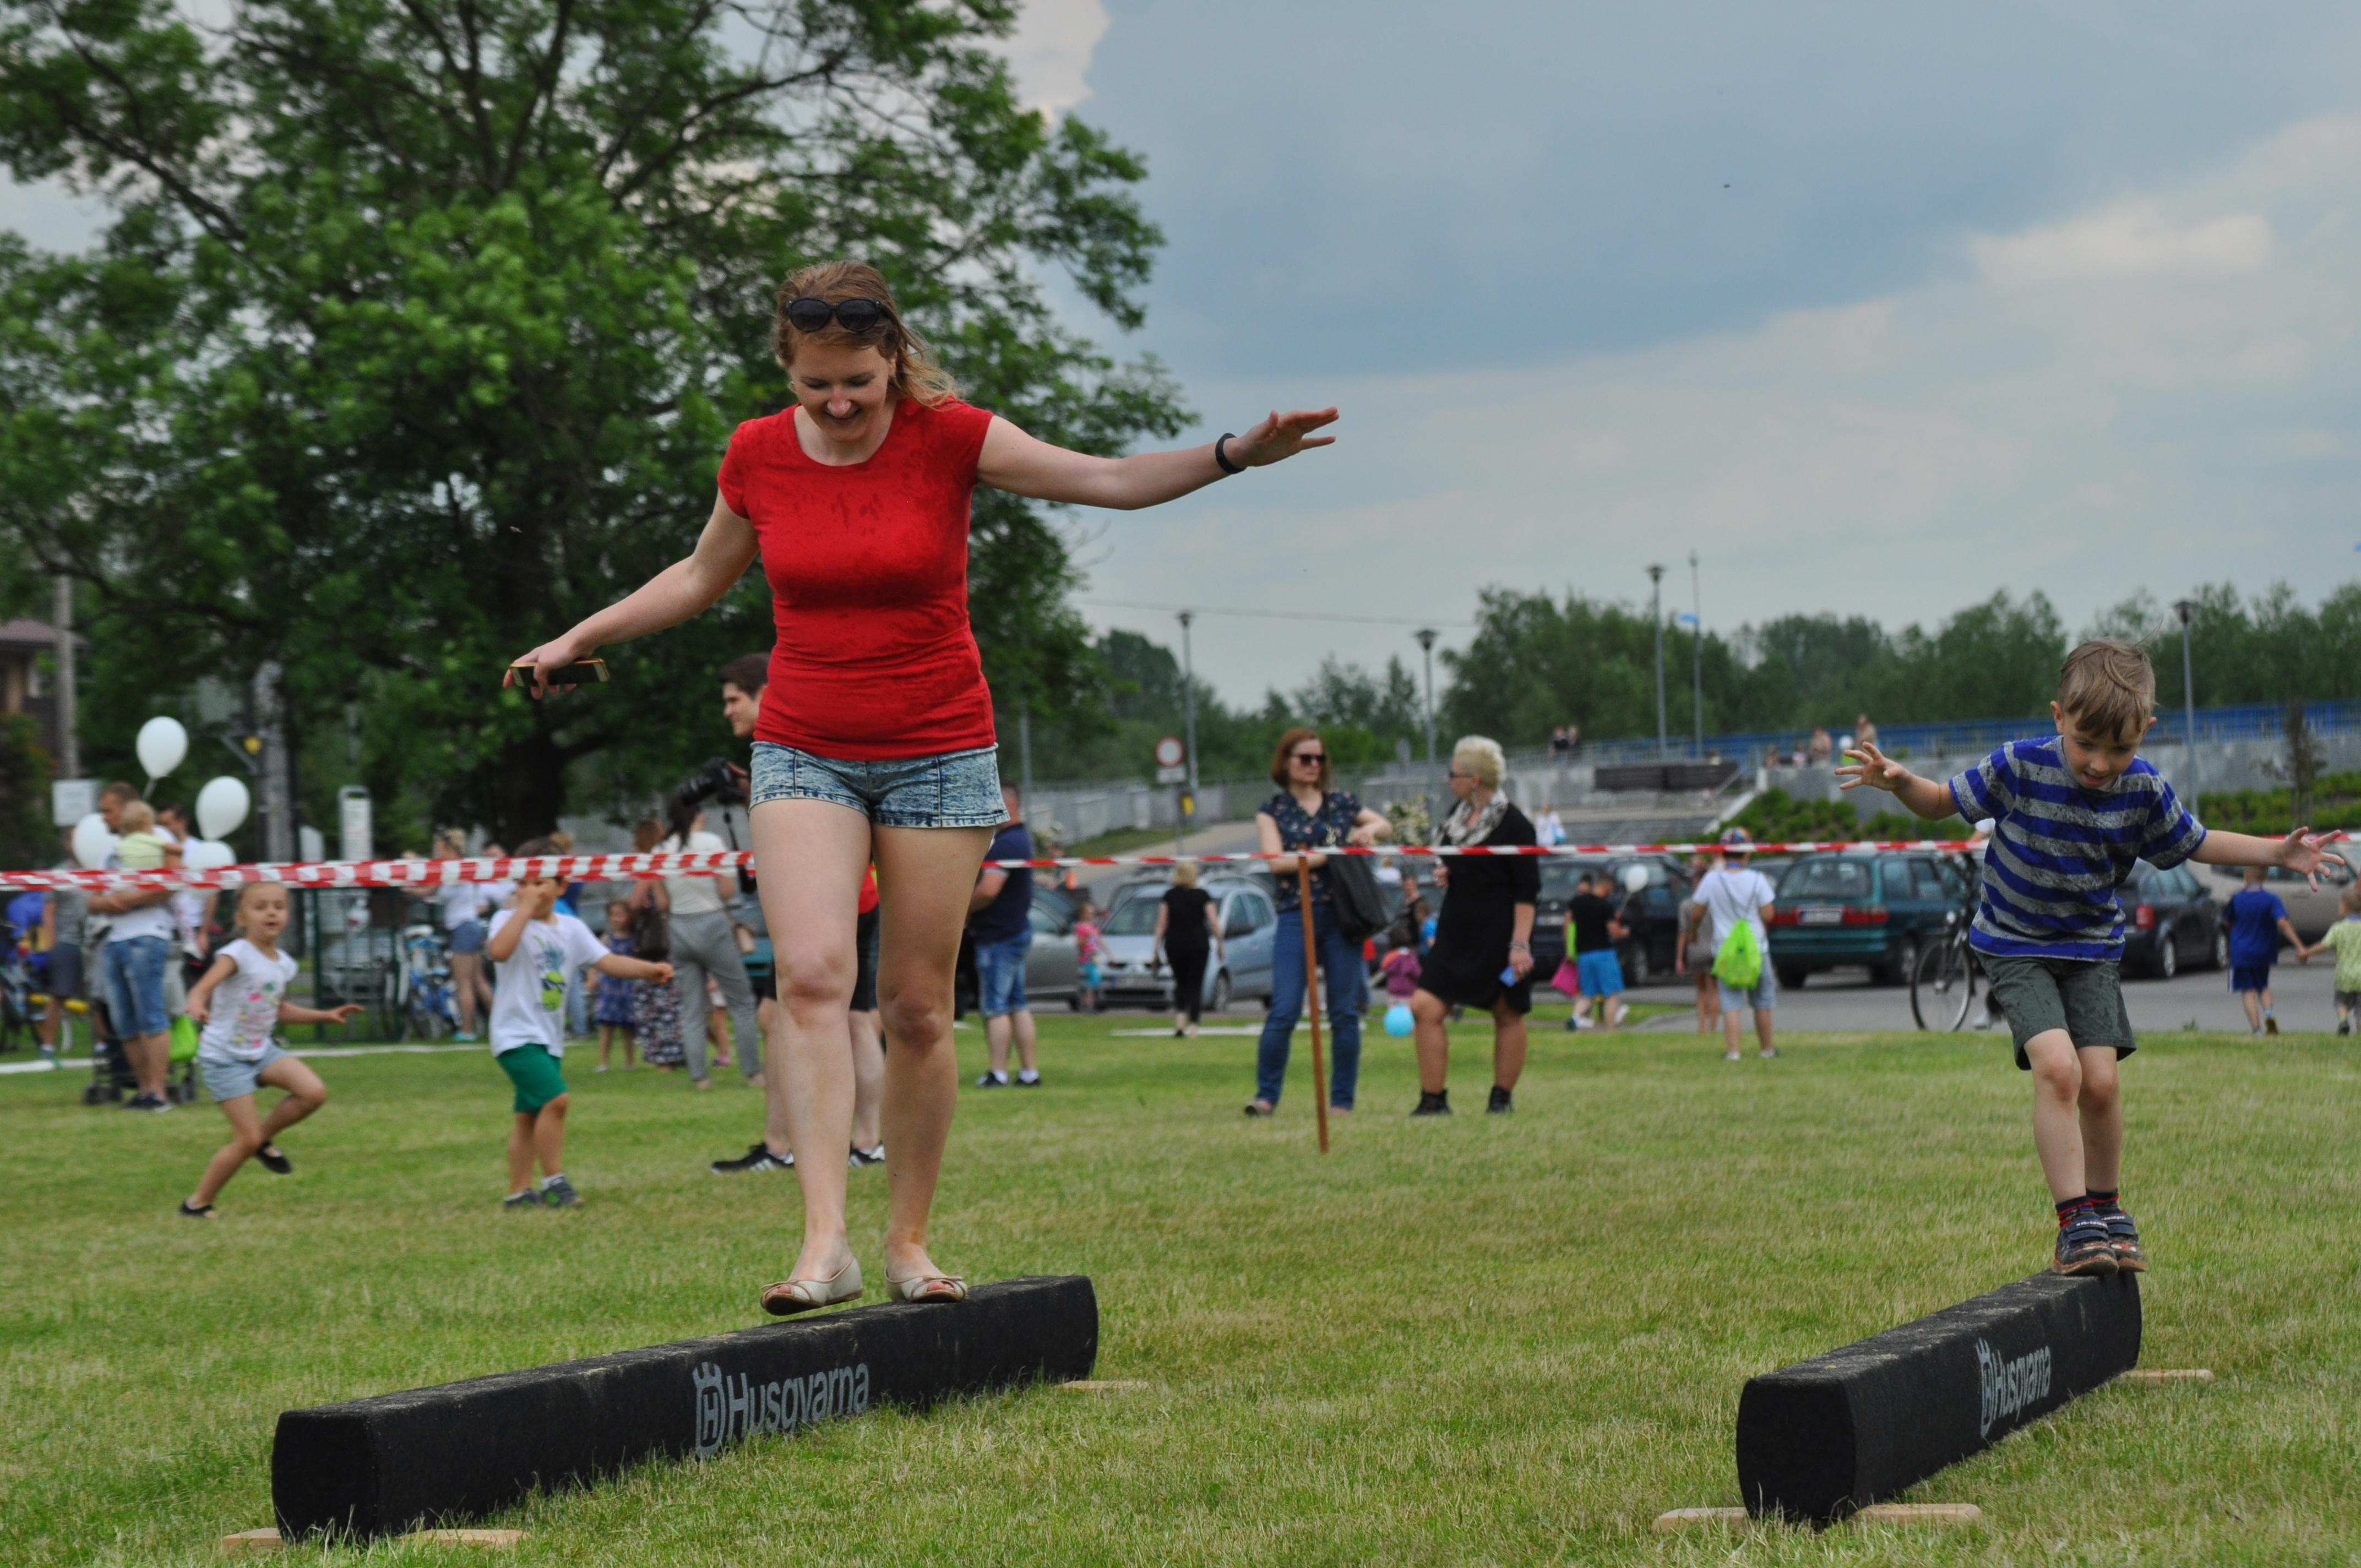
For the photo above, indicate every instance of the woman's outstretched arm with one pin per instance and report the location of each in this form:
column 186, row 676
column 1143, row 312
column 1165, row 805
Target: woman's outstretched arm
column 1017, row 463
column 684, row 588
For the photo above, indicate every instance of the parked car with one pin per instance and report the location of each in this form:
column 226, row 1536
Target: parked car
column 1129, row 938
column 1848, row 908
column 2171, row 922
column 2311, row 912
column 1647, row 954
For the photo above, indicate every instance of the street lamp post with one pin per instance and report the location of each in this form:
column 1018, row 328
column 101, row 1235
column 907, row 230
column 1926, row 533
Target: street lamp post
column 2188, row 612
column 1696, row 655
column 1189, row 721
column 1425, row 635
column 1656, row 614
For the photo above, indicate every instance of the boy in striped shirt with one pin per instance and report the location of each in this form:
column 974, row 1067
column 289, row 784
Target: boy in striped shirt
column 2071, row 813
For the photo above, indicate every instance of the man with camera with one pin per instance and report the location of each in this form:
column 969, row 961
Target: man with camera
column 743, row 683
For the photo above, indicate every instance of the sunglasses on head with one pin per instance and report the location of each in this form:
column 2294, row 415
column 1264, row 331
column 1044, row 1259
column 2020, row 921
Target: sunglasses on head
column 811, row 313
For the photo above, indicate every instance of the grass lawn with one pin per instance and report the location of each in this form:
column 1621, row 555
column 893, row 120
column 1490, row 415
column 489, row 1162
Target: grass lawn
column 1477, row 1340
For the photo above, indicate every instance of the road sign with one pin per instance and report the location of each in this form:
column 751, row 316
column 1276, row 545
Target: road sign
column 1172, row 776
column 1169, row 752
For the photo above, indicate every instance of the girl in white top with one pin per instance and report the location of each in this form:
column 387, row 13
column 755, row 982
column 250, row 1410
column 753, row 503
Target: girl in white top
column 241, row 1002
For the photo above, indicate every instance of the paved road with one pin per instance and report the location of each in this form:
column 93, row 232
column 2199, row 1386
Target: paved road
column 2201, row 1000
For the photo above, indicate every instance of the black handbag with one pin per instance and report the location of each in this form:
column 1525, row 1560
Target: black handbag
column 1353, row 891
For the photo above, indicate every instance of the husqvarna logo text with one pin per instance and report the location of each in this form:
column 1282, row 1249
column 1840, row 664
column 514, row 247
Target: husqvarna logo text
column 731, row 1407
column 2010, row 1386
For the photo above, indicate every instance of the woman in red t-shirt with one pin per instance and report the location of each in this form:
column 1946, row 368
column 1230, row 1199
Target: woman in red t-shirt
column 875, row 741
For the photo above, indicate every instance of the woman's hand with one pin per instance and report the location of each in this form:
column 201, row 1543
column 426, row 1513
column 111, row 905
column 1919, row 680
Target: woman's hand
column 1280, row 436
column 1363, row 834
column 553, row 654
column 1521, row 959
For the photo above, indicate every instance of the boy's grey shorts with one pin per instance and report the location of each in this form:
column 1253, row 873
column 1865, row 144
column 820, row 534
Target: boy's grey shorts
column 2082, row 996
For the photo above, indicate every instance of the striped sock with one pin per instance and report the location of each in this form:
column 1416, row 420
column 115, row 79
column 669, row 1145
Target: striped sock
column 2070, row 1207
column 2106, row 1202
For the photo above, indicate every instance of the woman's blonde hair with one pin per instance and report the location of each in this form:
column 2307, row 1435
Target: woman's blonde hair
column 1184, row 874
column 449, row 847
column 916, row 375
column 1483, row 758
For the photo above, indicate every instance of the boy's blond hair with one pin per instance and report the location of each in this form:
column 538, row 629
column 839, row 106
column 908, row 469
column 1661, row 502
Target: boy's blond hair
column 2349, row 901
column 136, row 817
column 2110, row 686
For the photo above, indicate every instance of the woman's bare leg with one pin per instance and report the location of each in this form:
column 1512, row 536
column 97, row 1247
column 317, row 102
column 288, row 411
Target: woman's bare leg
column 812, row 856
column 925, row 876
column 1509, row 1039
column 1432, row 1038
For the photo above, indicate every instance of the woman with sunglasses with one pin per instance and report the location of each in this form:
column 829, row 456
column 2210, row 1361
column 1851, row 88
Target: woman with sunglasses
column 875, row 739
column 1309, row 812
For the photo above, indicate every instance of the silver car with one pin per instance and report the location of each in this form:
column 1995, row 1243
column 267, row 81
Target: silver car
column 1052, row 970
column 2310, row 911
column 1128, row 939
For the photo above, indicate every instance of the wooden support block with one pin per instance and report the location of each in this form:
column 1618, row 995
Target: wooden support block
column 484, row 1540
column 1921, row 1513
column 1676, row 1519
column 1828, row 1437
column 1102, row 1386
column 385, row 1465
column 251, row 1542
column 2166, row 1375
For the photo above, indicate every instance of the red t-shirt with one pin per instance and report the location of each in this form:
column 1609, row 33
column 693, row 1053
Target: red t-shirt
column 868, row 570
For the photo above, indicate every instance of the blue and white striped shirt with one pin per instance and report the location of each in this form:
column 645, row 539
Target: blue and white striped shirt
column 2059, row 851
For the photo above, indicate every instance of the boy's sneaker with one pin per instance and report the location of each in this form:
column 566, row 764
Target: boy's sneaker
column 528, row 1198
column 992, row 1081
column 2270, row 1024
column 1437, row 1103
column 758, row 1158
column 860, row 1156
column 1731, row 1055
column 274, row 1160
column 558, row 1193
column 2122, row 1238
column 147, row 1103
column 2345, row 1025
column 1503, row 1101
column 1029, row 1080
column 2083, row 1245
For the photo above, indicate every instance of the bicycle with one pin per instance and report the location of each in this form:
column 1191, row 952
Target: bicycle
column 1943, row 982
column 429, row 1007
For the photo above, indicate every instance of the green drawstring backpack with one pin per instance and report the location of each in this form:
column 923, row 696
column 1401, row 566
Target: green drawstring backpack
column 1739, row 964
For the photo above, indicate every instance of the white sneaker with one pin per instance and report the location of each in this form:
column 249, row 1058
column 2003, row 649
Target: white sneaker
column 1732, row 1056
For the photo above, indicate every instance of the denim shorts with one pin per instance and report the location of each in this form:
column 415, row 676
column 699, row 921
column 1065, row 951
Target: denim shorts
column 226, row 1078
column 1000, row 975
column 135, row 984
column 468, row 936
column 950, row 789
column 1762, row 996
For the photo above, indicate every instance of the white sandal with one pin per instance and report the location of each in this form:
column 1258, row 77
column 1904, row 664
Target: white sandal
column 791, row 1295
column 926, row 1288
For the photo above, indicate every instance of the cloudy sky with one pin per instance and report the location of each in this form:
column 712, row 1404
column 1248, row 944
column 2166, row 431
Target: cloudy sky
column 1877, row 309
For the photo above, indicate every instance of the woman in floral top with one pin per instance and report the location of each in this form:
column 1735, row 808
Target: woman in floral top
column 1309, row 812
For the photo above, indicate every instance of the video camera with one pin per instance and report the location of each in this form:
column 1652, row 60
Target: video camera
column 723, row 783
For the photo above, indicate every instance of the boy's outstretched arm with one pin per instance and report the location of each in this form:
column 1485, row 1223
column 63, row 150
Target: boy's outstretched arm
column 1928, row 798
column 623, row 967
column 2302, row 851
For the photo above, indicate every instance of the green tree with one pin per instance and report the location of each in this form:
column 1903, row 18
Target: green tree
column 419, row 330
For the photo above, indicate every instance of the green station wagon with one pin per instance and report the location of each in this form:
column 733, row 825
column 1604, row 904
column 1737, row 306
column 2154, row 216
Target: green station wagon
column 1837, row 910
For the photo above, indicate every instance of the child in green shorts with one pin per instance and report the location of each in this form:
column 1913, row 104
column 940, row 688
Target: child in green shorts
column 2072, row 812
column 535, row 949
column 2343, row 939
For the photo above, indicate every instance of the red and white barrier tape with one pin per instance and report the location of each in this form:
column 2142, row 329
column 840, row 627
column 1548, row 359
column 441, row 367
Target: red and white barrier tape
column 422, row 875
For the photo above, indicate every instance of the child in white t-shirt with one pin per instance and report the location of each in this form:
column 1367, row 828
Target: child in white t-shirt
column 1731, row 894
column 535, row 949
column 241, row 1002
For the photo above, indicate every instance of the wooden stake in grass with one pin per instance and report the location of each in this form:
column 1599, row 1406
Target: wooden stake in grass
column 1312, row 994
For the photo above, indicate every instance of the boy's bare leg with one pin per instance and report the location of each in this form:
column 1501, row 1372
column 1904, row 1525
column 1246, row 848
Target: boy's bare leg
column 549, row 1137
column 2101, row 1115
column 2254, row 1009
column 520, row 1153
column 1508, row 1041
column 2057, row 1111
column 1729, row 1028
column 1606, row 1015
column 1762, row 1029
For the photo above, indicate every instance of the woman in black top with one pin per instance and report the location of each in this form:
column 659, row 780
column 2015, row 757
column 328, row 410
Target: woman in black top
column 1187, row 933
column 1486, row 931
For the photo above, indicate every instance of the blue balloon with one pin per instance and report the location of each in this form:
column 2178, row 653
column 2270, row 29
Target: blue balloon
column 1398, row 1019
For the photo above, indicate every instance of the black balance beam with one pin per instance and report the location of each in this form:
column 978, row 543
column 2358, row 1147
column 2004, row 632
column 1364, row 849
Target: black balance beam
column 1825, row 1437
column 457, row 1451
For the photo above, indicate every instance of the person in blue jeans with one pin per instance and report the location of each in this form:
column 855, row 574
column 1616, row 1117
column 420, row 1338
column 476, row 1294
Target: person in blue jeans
column 1307, row 813
column 139, row 946
column 2257, row 920
column 1000, row 923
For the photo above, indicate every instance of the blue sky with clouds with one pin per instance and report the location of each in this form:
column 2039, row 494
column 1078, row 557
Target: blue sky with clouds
column 1877, row 308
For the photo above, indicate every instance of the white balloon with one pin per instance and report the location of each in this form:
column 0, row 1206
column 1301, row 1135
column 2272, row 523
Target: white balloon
column 1635, row 878
column 162, row 744
column 92, row 842
column 205, row 854
column 221, row 806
